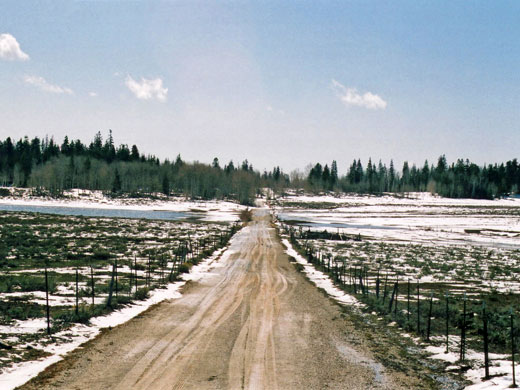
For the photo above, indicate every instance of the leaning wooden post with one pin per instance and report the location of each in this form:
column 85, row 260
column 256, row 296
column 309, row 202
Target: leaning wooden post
column 47, row 302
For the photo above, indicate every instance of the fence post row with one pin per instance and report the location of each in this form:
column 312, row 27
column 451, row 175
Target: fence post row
column 357, row 281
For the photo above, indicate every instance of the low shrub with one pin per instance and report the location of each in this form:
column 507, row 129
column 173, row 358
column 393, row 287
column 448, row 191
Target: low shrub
column 142, row 294
column 25, row 283
column 101, row 254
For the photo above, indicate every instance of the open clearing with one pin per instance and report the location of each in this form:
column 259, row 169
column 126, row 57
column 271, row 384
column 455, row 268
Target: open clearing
column 254, row 322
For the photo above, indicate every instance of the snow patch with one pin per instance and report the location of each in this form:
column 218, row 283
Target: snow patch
column 320, row 279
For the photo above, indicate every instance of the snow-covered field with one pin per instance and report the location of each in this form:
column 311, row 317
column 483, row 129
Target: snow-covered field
column 417, row 217
column 472, row 243
column 463, row 246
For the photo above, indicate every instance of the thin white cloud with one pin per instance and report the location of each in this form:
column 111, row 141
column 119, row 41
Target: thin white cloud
column 271, row 109
column 10, row 49
column 92, row 94
column 147, row 89
column 40, row 83
column 351, row 97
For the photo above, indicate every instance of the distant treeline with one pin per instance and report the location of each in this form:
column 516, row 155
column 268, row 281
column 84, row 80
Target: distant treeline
column 462, row 179
column 52, row 168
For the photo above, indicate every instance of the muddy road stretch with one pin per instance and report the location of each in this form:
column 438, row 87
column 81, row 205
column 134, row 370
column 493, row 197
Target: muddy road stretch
column 254, row 322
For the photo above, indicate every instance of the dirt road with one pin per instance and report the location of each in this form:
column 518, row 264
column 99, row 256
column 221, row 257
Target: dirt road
column 254, row 323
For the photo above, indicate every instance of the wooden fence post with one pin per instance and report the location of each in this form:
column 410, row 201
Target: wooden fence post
column 385, row 292
column 392, row 298
column 135, row 268
column 408, row 306
column 116, row 276
column 111, row 287
column 92, row 284
column 486, row 345
column 447, row 322
column 47, row 302
column 428, row 328
column 512, row 346
column 396, row 298
column 463, row 332
column 418, row 310
column 77, row 292
column 377, row 284
column 148, row 274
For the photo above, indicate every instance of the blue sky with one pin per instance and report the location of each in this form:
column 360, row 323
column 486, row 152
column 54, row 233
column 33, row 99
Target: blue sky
column 278, row 82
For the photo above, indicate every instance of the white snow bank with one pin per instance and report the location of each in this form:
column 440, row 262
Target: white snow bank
column 500, row 369
column 320, row 279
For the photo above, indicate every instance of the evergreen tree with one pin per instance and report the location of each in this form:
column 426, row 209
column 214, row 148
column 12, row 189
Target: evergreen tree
column 165, row 184
column 116, row 187
column 134, row 154
column 391, row 177
column 325, row 177
column 333, row 174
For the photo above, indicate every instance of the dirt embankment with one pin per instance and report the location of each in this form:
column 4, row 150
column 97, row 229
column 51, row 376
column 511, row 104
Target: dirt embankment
column 254, row 323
